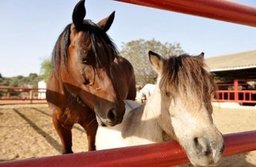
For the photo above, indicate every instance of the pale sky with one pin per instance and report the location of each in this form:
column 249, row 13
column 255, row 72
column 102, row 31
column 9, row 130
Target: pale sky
column 29, row 30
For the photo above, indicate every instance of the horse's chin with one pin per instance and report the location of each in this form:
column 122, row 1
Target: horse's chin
column 100, row 122
column 201, row 160
column 104, row 123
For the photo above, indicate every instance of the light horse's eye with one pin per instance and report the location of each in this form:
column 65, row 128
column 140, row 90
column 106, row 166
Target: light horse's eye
column 168, row 94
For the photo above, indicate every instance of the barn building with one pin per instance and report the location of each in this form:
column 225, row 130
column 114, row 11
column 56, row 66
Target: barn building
column 236, row 77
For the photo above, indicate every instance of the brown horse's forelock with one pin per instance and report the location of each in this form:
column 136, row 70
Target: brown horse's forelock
column 97, row 36
column 187, row 76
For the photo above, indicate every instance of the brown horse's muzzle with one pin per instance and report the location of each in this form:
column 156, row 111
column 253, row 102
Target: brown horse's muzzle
column 108, row 109
column 112, row 115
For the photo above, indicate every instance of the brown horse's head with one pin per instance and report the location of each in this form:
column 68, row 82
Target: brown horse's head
column 82, row 60
column 185, row 88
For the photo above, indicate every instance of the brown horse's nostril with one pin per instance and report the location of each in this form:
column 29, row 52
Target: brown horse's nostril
column 112, row 115
column 202, row 146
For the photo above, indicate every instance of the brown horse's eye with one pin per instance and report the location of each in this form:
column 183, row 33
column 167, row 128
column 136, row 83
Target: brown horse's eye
column 85, row 61
column 86, row 82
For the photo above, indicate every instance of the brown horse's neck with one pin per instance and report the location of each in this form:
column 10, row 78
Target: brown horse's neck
column 58, row 95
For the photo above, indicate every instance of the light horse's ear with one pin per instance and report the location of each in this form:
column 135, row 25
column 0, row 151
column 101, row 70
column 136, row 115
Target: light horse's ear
column 105, row 23
column 156, row 61
column 79, row 14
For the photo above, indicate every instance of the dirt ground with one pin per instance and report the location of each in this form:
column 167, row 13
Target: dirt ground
column 26, row 131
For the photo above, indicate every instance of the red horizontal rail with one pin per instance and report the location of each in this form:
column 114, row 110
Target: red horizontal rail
column 22, row 99
column 216, row 9
column 246, row 96
column 19, row 88
column 161, row 154
column 17, row 95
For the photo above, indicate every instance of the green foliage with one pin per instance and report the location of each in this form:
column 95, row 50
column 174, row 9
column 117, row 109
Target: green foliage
column 136, row 52
column 21, row 81
column 46, row 69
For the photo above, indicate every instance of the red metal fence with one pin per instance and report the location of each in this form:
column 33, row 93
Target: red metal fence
column 216, row 9
column 161, row 154
column 10, row 95
column 240, row 96
column 237, row 91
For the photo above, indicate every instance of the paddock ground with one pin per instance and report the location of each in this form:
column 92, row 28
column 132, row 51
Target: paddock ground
column 26, row 131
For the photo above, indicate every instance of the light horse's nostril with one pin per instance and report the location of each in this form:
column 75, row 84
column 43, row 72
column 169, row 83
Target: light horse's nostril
column 202, row 146
column 222, row 148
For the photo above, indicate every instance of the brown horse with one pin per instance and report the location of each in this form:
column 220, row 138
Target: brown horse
column 88, row 79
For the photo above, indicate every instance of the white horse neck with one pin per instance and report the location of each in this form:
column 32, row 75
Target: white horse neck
column 152, row 109
column 139, row 126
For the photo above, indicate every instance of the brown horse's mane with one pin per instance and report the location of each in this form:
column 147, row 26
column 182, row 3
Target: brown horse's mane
column 183, row 72
column 59, row 53
column 97, row 35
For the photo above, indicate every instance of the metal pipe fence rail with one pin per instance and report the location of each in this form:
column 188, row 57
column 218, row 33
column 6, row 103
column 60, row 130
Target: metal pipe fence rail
column 12, row 95
column 240, row 96
column 215, row 9
column 161, row 154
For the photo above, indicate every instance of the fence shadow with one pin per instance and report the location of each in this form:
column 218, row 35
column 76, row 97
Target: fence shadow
column 42, row 112
column 53, row 142
column 47, row 114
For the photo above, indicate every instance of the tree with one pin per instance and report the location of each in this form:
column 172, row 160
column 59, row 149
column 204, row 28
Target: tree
column 46, row 69
column 32, row 79
column 136, row 52
column 32, row 76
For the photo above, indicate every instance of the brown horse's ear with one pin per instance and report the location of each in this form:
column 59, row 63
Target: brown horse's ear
column 105, row 23
column 79, row 14
column 201, row 55
column 156, row 61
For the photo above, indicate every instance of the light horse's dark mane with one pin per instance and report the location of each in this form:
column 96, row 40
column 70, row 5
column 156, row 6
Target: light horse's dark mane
column 181, row 72
column 97, row 36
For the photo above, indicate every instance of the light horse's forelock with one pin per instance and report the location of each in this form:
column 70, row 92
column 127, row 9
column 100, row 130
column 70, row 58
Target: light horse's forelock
column 184, row 73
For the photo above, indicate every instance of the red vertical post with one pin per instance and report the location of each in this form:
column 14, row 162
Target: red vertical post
column 236, row 90
column 31, row 96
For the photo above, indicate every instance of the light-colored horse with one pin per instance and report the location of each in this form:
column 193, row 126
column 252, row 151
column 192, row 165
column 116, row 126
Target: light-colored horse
column 180, row 107
column 145, row 92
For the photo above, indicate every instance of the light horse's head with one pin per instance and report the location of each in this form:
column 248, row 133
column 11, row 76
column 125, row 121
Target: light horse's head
column 82, row 60
column 186, row 88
